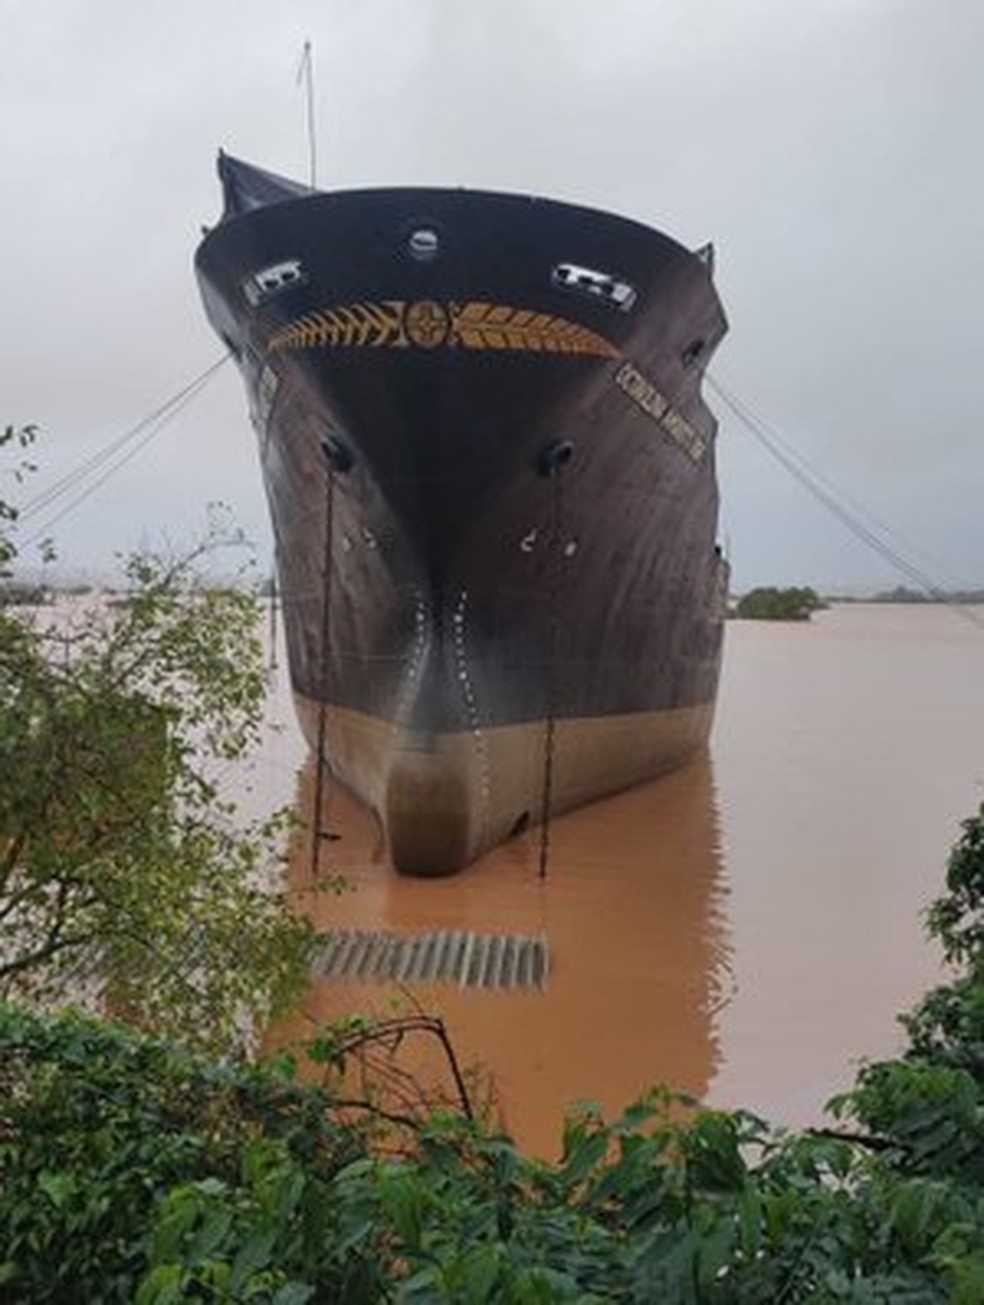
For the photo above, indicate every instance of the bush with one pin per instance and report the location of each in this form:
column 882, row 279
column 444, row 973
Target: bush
column 127, row 1161
column 135, row 1171
column 769, row 604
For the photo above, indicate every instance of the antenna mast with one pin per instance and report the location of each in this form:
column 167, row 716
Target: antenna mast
column 305, row 75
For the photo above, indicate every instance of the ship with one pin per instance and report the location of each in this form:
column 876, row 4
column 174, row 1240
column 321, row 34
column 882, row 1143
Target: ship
column 491, row 478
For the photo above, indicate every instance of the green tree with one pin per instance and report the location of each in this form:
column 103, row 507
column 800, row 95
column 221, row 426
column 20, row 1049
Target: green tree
column 124, row 1158
column 929, row 1105
column 16, row 439
column 124, row 879
column 770, row 604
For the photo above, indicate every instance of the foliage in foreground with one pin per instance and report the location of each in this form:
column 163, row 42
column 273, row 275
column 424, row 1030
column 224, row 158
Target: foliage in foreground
column 123, row 877
column 134, row 1171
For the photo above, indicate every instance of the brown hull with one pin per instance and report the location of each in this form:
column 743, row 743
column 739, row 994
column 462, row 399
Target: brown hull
column 444, row 799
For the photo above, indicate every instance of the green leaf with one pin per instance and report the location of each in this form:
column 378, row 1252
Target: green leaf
column 162, row 1286
column 59, row 1188
column 293, row 1293
column 256, row 1253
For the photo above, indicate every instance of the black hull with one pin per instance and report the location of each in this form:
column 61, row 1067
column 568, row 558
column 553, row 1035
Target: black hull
column 492, row 488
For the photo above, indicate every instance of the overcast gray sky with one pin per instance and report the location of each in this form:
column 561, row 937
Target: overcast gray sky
column 832, row 150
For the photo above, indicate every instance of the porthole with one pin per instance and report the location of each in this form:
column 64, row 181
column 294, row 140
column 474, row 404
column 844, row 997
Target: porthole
column 338, row 454
column 692, row 352
column 424, row 244
column 554, row 457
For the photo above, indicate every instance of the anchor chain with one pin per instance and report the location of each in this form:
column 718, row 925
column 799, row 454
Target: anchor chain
column 553, row 645
column 321, row 766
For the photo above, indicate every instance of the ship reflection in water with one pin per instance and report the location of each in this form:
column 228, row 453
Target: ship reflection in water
column 630, row 910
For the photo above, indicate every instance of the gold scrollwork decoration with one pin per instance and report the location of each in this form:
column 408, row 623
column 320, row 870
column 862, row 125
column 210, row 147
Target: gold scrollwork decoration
column 480, row 325
column 426, row 324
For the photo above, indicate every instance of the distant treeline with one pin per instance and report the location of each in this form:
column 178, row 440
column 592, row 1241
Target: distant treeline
column 26, row 593
column 15, row 594
column 770, row 604
column 900, row 594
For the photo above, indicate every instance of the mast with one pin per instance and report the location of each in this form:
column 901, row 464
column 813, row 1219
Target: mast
column 305, row 78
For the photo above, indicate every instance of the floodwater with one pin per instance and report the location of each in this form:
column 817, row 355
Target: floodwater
column 745, row 929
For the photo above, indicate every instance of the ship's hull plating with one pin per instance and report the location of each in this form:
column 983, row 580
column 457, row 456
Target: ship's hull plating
column 493, row 495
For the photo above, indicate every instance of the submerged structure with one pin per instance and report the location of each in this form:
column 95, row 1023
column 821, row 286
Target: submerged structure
column 491, row 477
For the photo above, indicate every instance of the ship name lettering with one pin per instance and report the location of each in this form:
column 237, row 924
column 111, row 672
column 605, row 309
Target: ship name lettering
column 654, row 403
column 641, row 391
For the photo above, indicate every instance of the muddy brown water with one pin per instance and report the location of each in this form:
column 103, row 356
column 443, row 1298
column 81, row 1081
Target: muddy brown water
column 745, row 929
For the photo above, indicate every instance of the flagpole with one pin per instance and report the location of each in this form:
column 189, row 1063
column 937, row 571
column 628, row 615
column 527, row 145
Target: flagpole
column 305, row 73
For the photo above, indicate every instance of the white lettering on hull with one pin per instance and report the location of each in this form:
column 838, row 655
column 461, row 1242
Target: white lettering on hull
column 646, row 396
